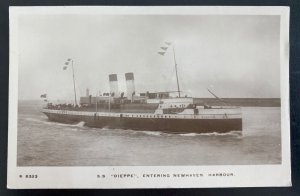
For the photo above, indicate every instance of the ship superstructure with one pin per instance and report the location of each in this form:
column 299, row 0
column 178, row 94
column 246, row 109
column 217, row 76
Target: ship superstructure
column 154, row 111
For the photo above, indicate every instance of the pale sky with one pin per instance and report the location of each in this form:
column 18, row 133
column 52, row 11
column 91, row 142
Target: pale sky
column 234, row 56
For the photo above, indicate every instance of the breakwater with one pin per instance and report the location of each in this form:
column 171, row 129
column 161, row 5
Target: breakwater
column 243, row 102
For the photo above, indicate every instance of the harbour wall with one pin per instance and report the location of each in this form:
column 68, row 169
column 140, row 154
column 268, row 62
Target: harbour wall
column 243, row 102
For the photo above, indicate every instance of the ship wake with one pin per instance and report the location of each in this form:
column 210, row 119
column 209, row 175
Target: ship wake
column 230, row 133
column 158, row 133
column 80, row 124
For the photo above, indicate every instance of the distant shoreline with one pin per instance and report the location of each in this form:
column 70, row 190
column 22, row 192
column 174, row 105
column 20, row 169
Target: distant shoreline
column 242, row 102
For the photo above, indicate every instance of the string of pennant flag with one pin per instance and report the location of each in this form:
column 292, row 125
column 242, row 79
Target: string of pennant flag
column 44, row 96
column 66, row 64
column 164, row 48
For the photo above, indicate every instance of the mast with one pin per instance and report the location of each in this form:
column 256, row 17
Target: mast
column 96, row 102
column 74, row 83
column 109, row 102
column 178, row 88
column 165, row 48
column 69, row 60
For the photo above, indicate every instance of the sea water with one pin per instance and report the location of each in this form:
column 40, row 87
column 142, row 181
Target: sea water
column 44, row 143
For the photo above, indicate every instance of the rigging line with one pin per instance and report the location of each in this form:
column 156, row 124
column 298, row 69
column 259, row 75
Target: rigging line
column 170, row 80
column 218, row 98
column 183, row 86
column 74, row 82
column 178, row 88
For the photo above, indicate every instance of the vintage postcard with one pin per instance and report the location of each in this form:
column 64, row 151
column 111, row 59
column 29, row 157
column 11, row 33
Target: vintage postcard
column 148, row 97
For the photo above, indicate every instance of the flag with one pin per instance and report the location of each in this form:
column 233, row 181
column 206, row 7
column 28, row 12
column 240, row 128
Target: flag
column 168, row 43
column 65, row 67
column 164, row 48
column 161, row 53
column 43, row 96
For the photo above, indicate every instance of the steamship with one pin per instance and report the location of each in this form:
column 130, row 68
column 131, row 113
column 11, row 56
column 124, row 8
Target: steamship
column 150, row 111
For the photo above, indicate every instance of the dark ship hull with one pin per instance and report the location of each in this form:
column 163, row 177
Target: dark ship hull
column 150, row 122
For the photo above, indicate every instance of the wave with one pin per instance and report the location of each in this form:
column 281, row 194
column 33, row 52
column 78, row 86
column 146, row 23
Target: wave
column 33, row 119
column 154, row 133
column 158, row 133
column 44, row 121
column 230, row 133
column 81, row 124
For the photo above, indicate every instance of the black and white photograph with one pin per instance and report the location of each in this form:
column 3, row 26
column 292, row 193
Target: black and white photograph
column 198, row 88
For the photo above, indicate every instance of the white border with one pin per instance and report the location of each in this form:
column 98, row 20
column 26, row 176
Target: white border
column 85, row 177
